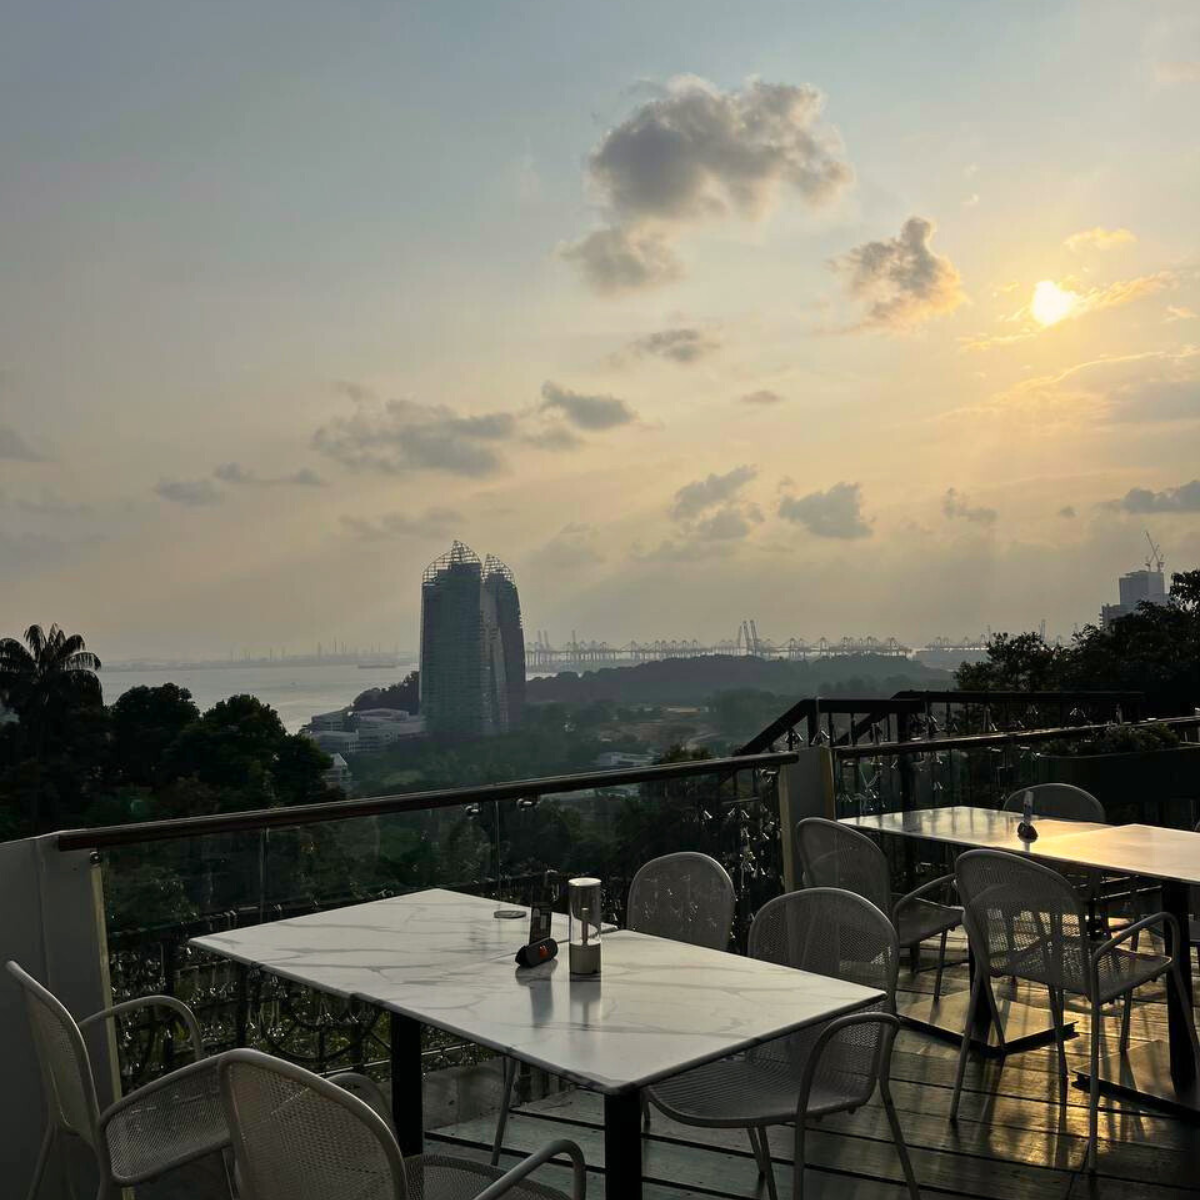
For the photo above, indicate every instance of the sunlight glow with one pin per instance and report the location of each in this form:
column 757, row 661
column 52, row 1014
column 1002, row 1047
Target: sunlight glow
column 1050, row 303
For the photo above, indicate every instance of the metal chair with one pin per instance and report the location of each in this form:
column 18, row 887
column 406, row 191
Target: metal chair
column 297, row 1136
column 163, row 1125
column 834, row 855
column 1058, row 801
column 832, row 1067
column 1025, row 921
column 686, row 897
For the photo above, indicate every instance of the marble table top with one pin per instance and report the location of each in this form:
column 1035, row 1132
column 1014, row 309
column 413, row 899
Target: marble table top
column 659, row 1007
column 977, row 827
column 1146, row 850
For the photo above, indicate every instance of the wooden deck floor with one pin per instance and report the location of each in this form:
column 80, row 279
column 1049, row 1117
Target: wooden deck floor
column 1014, row 1139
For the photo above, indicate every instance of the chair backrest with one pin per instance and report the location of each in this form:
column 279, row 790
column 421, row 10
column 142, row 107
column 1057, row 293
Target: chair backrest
column 836, row 856
column 1059, row 801
column 67, row 1081
column 837, row 933
column 687, row 897
column 1023, row 919
column 297, row 1136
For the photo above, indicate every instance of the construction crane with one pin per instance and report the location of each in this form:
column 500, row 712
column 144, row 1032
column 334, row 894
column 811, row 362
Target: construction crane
column 1156, row 560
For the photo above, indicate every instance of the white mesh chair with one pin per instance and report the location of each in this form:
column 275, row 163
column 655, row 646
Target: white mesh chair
column 163, row 1125
column 1059, row 802
column 834, row 855
column 832, row 1067
column 686, row 897
column 297, row 1136
column 1025, row 920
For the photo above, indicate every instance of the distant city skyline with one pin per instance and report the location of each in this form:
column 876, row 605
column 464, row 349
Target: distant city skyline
column 886, row 324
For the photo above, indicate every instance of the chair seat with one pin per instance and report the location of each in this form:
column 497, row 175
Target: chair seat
column 176, row 1124
column 923, row 919
column 438, row 1177
column 759, row 1089
column 1120, row 970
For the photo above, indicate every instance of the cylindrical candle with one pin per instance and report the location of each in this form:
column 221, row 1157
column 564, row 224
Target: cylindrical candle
column 584, row 912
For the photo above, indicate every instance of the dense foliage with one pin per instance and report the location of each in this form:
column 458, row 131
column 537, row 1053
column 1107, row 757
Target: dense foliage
column 1155, row 650
column 67, row 760
column 405, row 696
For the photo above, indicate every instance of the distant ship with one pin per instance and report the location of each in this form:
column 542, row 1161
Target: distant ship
column 378, row 664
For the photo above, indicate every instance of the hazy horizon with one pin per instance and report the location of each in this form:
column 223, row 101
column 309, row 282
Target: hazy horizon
column 878, row 320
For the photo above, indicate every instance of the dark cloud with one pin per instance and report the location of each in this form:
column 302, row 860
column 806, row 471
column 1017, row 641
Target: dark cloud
column 620, row 260
column 902, row 278
column 401, row 436
column 432, row 523
column 1185, row 498
column 50, row 504
column 695, row 153
column 587, row 412
column 730, row 523
column 14, row 448
column 192, row 493
column 573, row 546
column 956, row 508
column 678, row 345
column 694, row 498
column 1067, row 512
column 762, row 398
column 235, row 473
column 836, row 513
column 556, row 437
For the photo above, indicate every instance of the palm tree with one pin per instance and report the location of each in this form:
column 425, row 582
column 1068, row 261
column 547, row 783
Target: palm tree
column 41, row 680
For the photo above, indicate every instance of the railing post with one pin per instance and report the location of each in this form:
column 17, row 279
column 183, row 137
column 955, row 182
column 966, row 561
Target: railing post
column 805, row 790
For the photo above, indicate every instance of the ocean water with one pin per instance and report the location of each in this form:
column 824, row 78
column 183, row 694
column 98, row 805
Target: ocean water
column 295, row 692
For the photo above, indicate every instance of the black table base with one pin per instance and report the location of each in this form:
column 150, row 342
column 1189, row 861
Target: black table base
column 623, row 1146
column 1144, row 1074
column 408, row 1109
column 1024, row 1026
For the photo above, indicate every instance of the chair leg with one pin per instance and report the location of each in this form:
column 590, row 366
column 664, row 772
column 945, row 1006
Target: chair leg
column 1126, row 1021
column 43, row 1157
column 762, row 1152
column 991, row 998
column 798, row 1162
column 889, row 1106
column 1094, row 1093
column 965, row 1049
column 1185, row 1002
column 510, row 1082
column 645, row 1112
column 937, row 983
column 752, row 1134
column 1058, row 1016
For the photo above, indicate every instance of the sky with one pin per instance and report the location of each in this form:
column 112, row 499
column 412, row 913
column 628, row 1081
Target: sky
column 871, row 318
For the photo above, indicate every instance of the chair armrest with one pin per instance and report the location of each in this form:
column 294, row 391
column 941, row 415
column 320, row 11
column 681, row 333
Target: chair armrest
column 526, row 1166
column 367, row 1090
column 891, row 1025
column 918, row 893
column 1159, row 918
column 181, row 1010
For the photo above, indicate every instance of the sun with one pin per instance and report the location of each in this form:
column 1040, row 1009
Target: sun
column 1051, row 304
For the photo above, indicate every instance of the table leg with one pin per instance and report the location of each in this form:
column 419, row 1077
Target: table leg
column 623, row 1146
column 1175, row 900
column 407, row 1109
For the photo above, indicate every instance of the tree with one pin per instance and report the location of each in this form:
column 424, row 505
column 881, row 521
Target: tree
column 405, row 696
column 1022, row 662
column 50, row 683
column 146, row 722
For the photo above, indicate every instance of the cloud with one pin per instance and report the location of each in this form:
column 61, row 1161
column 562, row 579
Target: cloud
column 620, row 260
column 573, row 546
column 191, row 493
column 904, row 280
column 956, row 508
column 694, row 498
column 1185, row 498
column 1098, row 238
column 587, row 412
column 678, row 345
column 761, row 398
column 1179, row 312
column 50, row 505
column 1067, row 511
column 14, row 448
column 677, row 550
column 730, row 523
column 836, row 513
column 432, row 523
column 401, row 436
column 555, row 437
column 235, row 473
column 694, row 154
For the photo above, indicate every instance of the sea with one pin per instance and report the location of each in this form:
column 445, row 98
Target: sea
column 296, row 693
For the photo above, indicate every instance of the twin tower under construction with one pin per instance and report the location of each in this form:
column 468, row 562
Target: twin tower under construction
column 472, row 646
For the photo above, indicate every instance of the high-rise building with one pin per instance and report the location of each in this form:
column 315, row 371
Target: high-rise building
column 1137, row 587
column 472, row 646
column 500, row 585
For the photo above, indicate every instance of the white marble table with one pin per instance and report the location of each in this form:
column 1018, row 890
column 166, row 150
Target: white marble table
column 440, row 958
column 1156, row 1071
